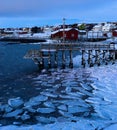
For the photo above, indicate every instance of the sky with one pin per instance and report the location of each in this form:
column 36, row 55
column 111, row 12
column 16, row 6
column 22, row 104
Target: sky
column 20, row 13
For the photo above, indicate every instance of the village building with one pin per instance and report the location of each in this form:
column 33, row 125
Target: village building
column 69, row 34
column 108, row 27
column 114, row 33
column 97, row 27
column 82, row 35
column 89, row 26
column 26, row 29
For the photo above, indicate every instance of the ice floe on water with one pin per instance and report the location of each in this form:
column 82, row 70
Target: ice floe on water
column 15, row 102
column 49, row 104
column 45, row 110
column 79, row 98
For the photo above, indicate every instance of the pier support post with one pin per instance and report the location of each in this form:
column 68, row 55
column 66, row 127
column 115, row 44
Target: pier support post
column 71, row 60
column 103, row 55
column 98, row 61
column 96, row 56
column 90, row 62
column 55, row 59
column 83, row 59
column 63, row 59
column 41, row 64
column 106, row 57
column 49, row 59
column 89, row 57
column 113, row 57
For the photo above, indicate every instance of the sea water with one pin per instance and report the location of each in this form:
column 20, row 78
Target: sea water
column 55, row 95
column 15, row 70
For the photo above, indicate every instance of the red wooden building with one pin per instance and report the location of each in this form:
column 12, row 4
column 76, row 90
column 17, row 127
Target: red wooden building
column 114, row 33
column 69, row 34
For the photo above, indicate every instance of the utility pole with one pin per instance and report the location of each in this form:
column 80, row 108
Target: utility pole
column 64, row 30
column 63, row 52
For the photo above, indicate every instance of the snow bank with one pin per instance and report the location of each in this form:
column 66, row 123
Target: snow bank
column 81, row 125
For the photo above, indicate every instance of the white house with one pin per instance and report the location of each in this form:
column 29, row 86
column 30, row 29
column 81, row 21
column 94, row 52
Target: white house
column 108, row 27
column 97, row 27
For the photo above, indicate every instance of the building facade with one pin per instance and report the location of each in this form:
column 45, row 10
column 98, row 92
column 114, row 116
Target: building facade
column 69, row 34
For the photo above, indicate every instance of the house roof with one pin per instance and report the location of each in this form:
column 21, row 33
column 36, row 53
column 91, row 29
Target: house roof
column 61, row 30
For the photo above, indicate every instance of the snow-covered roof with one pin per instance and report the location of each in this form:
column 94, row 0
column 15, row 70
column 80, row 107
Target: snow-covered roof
column 98, row 26
column 109, row 24
column 60, row 30
column 81, row 30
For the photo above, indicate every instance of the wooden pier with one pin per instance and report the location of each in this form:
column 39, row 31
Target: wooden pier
column 91, row 54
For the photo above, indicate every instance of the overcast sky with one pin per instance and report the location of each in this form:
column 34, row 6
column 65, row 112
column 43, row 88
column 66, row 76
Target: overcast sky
column 40, row 12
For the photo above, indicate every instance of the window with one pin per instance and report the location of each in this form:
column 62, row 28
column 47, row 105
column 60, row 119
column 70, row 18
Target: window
column 72, row 35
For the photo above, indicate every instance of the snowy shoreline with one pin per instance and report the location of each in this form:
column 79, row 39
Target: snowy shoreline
column 81, row 125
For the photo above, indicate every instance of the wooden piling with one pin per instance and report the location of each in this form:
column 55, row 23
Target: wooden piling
column 106, row 57
column 103, row 55
column 96, row 56
column 49, row 59
column 55, row 59
column 71, row 59
column 63, row 59
column 41, row 63
column 90, row 62
column 90, row 59
column 98, row 60
column 113, row 57
column 83, row 58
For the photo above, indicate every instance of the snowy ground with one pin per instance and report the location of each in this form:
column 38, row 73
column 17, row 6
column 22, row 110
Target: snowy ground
column 71, row 99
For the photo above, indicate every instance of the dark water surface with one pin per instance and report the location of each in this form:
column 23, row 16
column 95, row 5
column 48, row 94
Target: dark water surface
column 14, row 71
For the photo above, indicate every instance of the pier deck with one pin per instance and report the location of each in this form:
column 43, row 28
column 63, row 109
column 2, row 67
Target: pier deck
column 93, row 53
column 77, row 46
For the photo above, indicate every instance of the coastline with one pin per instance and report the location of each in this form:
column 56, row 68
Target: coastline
column 22, row 39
